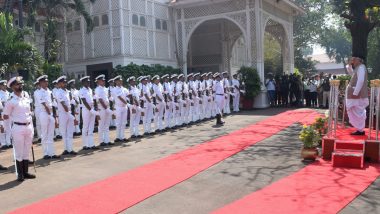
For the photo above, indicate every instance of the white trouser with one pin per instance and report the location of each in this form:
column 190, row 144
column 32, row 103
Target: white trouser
column 88, row 128
column 8, row 132
column 236, row 101
column 182, row 109
column 219, row 101
column 195, row 110
column 148, row 115
column 47, row 132
column 169, row 114
column 121, row 121
column 38, row 124
column 177, row 113
column 77, row 118
column 159, row 123
column 356, row 111
column 66, row 127
column 227, row 108
column 104, row 126
column 135, row 120
column 22, row 141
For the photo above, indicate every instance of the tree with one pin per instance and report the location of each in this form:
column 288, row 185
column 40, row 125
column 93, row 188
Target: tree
column 53, row 10
column 337, row 43
column 361, row 17
column 15, row 53
column 307, row 29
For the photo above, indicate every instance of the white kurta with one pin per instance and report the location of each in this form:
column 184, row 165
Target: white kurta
column 356, row 108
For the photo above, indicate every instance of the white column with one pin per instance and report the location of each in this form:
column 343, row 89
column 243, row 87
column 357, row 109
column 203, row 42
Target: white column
column 92, row 37
column 66, row 40
column 154, row 29
column 130, row 28
column 248, row 38
column 83, row 38
column 122, row 35
column 261, row 100
column 184, row 44
column 110, row 25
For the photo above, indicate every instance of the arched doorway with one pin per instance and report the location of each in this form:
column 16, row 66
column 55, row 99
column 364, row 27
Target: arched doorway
column 212, row 44
column 276, row 49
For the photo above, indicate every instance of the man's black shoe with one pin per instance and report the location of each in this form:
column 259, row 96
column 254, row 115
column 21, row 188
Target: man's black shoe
column 46, row 157
column 65, row 152
column 85, row 148
column 358, row 133
column 103, row 144
column 3, row 168
column 55, row 157
column 73, row 153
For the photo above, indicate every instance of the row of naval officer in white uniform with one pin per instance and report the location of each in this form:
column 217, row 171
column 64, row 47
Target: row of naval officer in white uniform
column 168, row 101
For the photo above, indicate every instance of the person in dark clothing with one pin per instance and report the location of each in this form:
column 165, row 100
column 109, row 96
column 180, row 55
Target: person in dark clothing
column 284, row 90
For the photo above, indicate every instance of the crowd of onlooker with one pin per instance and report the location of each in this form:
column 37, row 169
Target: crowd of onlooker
column 294, row 91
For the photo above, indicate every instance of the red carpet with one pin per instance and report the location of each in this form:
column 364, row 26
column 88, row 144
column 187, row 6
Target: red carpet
column 345, row 134
column 318, row 188
column 121, row 191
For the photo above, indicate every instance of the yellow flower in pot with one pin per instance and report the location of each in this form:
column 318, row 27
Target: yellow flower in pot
column 310, row 138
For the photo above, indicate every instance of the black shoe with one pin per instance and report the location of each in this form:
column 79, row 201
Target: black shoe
column 27, row 175
column 4, row 147
column 110, row 144
column 20, row 170
column 58, row 137
column 39, row 140
column 46, row 157
column 10, row 146
column 85, row 148
column 55, row 157
column 125, row 140
column 73, row 153
column 2, row 168
column 103, row 144
column 117, row 140
column 94, row 148
column 65, row 152
column 139, row 136
column 358, row 133
column 133, row 136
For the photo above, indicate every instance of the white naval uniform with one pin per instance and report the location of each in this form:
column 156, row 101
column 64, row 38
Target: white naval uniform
column 121, row 111
column 88, row 117
column 236, row 95
column 105, row 114
column 5, row 138
column 75, row 96
column 158, row 90
column 18, row 110
column 219, row 96
column 170, row 105
column 356, row 108
column 227, row 108
column 47, row 121
column 66, row 119
column 36, row 113
column 112, row 99
column 135, row 117
column 54, row 92
column 148, row 109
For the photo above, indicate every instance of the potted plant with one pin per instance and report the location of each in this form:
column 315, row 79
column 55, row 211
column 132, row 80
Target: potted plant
column 310, row 138
column 252, row 83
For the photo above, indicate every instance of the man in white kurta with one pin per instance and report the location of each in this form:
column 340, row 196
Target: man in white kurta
column 357, row 95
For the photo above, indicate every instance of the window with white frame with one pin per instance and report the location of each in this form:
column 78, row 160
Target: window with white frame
column 164, row 25
column 142, row 21
column 105, row 19
column 158, row 24
column 96, row 21
column 135, row 19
